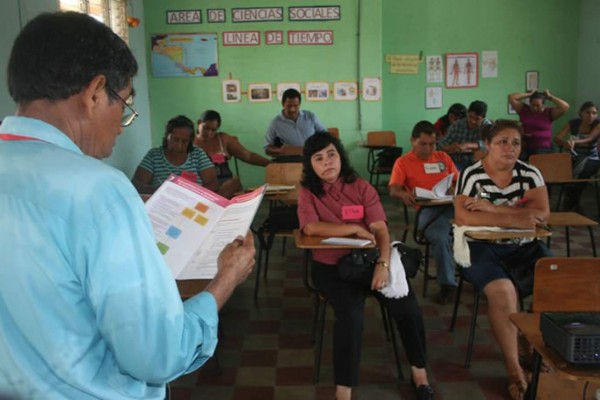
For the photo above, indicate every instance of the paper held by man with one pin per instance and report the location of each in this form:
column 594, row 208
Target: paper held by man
column 192, row 224
column 438, row 192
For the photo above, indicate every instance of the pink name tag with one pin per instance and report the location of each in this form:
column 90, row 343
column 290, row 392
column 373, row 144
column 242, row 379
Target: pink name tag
column 218, row 158
column 190, row 176
column 352, row 212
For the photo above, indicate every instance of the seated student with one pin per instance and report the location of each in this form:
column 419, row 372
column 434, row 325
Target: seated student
column 583, row 145
column 423, row 167
column 291, row 127
column 329, row 186
column 537, row 119
column 463, row 136
column 221, row 146
column 490, row 193
column 177, row 156
column 455, row 112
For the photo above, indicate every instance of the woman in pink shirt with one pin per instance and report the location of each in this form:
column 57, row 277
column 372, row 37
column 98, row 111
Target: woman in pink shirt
column 537, row 119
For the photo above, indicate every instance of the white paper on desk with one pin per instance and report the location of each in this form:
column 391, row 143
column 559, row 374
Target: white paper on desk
column 344, row 241
column 438, row 192
column 279, row 188
column 193, row 224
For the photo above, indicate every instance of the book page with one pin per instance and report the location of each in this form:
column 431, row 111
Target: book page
column 182, row 214
column 344, row 241
column 234, row 221
column 438, row 192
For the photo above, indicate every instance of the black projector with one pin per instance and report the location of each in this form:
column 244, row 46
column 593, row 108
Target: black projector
column 575, row 336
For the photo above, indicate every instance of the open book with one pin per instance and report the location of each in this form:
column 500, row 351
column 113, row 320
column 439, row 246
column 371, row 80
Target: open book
column 193, row 224
column 438, row 192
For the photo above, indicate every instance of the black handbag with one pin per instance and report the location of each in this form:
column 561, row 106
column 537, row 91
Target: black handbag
column 411, row 259
column 520, row 265
column 358, row 265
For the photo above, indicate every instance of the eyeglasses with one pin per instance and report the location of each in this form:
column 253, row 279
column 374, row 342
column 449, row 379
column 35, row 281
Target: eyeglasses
column 128, row 117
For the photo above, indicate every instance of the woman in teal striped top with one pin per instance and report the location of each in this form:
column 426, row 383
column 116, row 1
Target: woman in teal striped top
column 177, row 155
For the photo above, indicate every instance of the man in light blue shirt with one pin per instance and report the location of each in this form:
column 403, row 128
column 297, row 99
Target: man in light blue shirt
column 88, row 308
column 288, row 131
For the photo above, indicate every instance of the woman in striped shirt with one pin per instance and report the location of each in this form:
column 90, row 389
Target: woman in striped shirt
column 501, row 191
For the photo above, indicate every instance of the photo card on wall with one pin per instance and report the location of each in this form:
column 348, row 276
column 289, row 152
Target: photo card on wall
column 317, row 91
column 283, row 86
column 231, row 91
column 259, row 92
column 345, row 90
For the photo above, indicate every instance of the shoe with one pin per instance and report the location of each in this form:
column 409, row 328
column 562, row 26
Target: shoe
column 424, row 392
column 446, row 295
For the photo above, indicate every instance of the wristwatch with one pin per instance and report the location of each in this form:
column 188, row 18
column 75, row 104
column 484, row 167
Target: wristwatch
column 382, row 264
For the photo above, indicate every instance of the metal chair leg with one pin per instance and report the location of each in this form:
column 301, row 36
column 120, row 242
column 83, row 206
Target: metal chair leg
column 319, row 340
column 456, row 303
column 472, row 329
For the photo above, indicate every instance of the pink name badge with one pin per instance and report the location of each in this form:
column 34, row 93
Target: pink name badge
column 218, row 158
column 190, row 176
column 353, row 212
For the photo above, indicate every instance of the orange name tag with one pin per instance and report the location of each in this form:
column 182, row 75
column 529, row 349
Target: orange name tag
column 353, row 212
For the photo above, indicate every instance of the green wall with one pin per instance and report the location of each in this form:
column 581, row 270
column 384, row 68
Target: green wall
column 272, row 64
column 537, row 35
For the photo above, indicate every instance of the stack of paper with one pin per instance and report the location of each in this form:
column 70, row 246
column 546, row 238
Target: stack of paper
column 346, row 241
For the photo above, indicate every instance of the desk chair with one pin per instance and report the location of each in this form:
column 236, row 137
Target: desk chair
column 320, row 305
column 572, row 219
column 276, row 174
column 557, row 170
column 420, row 239
column 335, row 132
column 377, row 142
column 564, row 284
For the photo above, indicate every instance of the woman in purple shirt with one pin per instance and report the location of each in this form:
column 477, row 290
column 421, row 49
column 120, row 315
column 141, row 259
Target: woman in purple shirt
column 537, row 120
column 334, row 201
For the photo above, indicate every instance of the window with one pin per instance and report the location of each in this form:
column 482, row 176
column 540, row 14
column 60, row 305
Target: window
column 111, row 12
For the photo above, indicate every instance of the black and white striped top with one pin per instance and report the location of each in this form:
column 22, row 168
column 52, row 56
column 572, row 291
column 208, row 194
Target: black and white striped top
column 474, row 181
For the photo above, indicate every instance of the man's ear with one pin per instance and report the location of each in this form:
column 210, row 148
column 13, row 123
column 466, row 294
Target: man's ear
column 93, row 92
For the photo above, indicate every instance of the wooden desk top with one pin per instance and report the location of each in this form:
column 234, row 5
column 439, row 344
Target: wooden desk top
column 500, row 235
column 191, row 287
column 314, row 242
column 529, row 325
column 570, row 219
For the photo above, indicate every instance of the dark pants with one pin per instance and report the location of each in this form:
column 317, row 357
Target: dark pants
column 574, row 190
column 348, row 302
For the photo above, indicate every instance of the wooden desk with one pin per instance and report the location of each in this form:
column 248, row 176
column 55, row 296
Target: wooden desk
column 569, row 219
column 191, row 287
column 504, row 235
column 529, row 325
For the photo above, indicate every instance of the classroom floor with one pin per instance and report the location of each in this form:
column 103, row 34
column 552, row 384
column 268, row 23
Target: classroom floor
column 266, row 351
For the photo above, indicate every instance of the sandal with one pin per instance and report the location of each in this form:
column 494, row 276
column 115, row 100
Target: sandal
column 517, row 385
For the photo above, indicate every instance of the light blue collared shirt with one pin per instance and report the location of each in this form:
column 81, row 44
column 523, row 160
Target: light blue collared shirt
column 293, row 133
column 88, row 308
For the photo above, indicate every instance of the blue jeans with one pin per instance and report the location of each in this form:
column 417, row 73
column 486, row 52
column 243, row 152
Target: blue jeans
column 437, row 234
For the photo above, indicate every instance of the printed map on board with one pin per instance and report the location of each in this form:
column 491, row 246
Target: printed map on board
column 184, row 55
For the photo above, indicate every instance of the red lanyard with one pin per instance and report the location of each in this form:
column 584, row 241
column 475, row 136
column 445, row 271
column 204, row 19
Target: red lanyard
column 8, row 136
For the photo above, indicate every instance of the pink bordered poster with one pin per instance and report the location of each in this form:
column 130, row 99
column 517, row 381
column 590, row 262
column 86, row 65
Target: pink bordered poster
column 462, row 70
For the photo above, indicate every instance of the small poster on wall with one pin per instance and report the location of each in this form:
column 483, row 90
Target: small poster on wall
column 317, row 91
column 435, row 69
column 489, row 64
column 259, row 92
column 433, row 97
column 461, row 70
column 345, row 90
column 283, row 86
column 231, row 91
column 371, row 89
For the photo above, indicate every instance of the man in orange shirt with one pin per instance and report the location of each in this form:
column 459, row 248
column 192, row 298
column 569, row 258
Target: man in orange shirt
column 424, row 167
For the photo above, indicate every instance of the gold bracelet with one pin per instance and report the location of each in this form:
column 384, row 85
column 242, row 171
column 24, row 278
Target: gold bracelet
column 383, row 264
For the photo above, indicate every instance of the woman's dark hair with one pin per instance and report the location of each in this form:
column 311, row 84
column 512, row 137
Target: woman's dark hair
column 537, row 95
column 210, row 115
column 586, row 105
column 180, row 121
column 457, row 109
column 57, row 55
column 318, row 142
column 488, row 132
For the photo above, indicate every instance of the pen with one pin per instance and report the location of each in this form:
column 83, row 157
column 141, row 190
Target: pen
column 543, row 226
column 521, row 201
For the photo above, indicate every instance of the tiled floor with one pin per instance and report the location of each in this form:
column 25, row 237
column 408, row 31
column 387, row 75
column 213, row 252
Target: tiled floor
column 266, row 351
